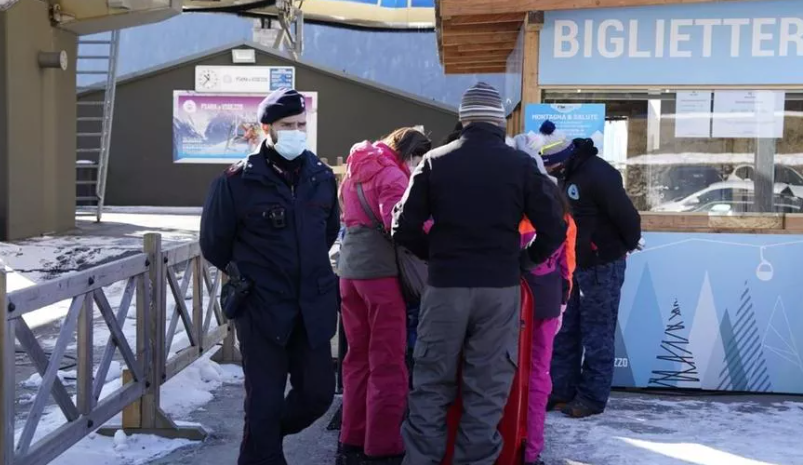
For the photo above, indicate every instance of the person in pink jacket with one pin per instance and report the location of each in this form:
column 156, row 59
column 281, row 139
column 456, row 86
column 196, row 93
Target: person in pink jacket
column 373, row 309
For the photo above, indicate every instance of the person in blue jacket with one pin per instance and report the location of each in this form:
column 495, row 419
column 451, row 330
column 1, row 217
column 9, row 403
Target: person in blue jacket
column 275, row 216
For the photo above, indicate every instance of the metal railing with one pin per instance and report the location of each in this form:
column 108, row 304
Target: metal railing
column 148, row 365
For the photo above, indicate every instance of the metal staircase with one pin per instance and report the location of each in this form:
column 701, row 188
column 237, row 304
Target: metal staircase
column 96, row 73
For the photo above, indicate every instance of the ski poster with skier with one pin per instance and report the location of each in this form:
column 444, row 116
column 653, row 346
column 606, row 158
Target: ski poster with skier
column 223, row 128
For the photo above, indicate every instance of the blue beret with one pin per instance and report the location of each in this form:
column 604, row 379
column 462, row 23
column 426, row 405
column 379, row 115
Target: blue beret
column 280, row 104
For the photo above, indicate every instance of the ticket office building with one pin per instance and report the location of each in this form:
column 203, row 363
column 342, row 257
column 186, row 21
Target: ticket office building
column 703, row 116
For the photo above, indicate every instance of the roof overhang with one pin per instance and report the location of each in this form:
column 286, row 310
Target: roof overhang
column 94, row 16
column 477, row 36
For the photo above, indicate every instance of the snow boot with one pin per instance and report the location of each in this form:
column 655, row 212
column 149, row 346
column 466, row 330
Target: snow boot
column 555, row 404
column 578, row 409
column 349, row 455
column 538, row 461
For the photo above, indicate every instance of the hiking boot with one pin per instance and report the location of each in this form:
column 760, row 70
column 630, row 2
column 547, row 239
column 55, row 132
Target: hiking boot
column 349, row 455
column 578, row 409
column 555, row 404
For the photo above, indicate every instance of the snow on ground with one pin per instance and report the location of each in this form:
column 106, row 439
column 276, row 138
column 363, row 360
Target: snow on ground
column 186, row 392
column 69, row 377
column 40, row 259
column 48, row 257
column 650, row 430
column 34, row 260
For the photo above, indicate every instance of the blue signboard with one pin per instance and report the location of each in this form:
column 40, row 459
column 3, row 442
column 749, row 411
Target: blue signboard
column 719, row 312
column 745, row 42
column 282, row 77
column 575, row 120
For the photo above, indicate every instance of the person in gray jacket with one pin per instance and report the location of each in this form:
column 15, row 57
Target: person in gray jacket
column 476, row 189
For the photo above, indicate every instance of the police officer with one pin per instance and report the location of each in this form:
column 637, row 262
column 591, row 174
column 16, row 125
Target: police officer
column 275, row 216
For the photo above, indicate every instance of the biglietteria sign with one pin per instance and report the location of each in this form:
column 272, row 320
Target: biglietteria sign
column 718, row 43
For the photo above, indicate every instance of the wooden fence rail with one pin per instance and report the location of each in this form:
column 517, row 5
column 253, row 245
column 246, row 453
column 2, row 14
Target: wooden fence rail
column 148, row 365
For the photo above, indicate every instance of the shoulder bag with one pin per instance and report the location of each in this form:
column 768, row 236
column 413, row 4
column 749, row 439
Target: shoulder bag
column 412, row 270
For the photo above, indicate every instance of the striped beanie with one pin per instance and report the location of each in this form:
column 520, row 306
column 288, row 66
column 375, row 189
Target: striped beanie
column 482, row 104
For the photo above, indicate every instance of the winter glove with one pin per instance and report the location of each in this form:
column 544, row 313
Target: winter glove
column 639, row 247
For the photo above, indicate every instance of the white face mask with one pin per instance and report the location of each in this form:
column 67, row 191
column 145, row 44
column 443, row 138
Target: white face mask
column 290, row 144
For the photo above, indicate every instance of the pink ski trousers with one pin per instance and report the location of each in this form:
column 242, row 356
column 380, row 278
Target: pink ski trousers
column 540, row 385
column 374, row 372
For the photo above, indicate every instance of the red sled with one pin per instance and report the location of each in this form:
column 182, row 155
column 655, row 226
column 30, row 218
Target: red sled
column 513, row 427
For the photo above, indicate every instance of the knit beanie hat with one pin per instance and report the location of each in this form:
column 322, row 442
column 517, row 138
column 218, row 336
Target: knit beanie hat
column 552, row 144
column 482, row 104
column 526, row 143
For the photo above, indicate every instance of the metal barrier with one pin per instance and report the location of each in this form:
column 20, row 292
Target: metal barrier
column 149, row 365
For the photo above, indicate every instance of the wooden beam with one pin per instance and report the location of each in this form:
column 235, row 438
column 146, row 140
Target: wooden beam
column 530, row 91
column 477, row 64
column 473, row 29
column 484, row 47
column 745, row 223
column 495, row 54
column 484, row 19
column 474, row 69
column 480, row 38
column 452, row 8
column 476, row 61
column 471, row 71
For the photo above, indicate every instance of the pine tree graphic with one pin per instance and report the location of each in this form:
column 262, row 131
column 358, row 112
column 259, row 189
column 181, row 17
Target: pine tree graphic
column 744, row 366
column 675, row 352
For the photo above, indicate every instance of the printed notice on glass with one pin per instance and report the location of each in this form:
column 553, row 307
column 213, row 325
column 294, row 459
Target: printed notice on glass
column 749, row 114
column 693, row 114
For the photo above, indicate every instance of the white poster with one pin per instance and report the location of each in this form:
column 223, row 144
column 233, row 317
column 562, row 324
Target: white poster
column 245, row 79
column 749, row 114
column 693, row 114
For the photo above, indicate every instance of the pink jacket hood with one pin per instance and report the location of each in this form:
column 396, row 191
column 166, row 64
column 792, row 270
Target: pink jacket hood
column 384, row 180
column 367, row 160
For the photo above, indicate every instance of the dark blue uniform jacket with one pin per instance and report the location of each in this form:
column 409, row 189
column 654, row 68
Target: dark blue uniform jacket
column 608, row 225
column 289, row 263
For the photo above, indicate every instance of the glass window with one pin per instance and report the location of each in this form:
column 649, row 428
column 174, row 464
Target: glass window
column 673, row 163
